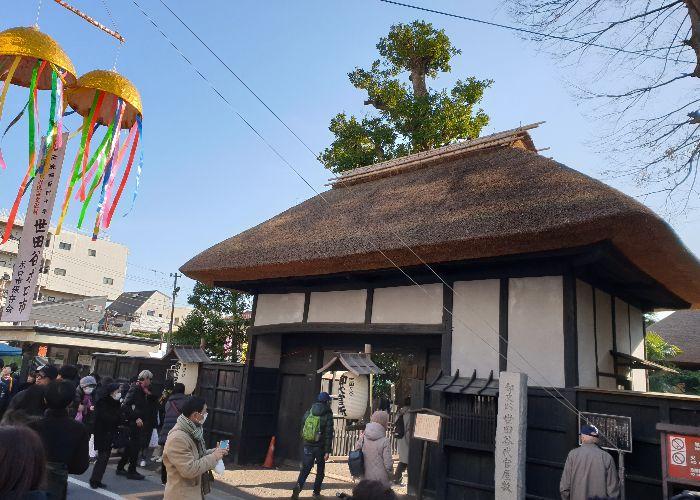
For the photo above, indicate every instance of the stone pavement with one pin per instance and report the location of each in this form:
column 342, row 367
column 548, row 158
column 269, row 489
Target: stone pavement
column 236, row 484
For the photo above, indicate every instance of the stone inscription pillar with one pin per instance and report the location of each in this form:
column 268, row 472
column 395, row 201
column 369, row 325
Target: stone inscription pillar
column 511, row 428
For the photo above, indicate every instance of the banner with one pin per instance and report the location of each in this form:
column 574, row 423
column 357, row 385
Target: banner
column 27, row 267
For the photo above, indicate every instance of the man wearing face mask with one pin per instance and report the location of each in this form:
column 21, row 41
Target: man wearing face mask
column 186, row 459
column 107, row 418
column 136, row 408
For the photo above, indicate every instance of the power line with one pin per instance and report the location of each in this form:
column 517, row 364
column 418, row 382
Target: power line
column 529, row 32
column 565, row 402
column 240, row 80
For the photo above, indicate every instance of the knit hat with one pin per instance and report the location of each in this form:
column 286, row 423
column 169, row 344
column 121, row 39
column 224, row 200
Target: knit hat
column 88, row 381
column 145, row 374
column 380, row 417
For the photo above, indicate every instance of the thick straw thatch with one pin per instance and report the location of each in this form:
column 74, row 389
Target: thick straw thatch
column 494, row 202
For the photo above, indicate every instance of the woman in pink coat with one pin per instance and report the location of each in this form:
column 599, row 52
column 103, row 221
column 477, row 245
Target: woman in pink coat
column 376, row 449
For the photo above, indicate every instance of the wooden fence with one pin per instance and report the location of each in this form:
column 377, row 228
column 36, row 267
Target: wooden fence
column 344, row 439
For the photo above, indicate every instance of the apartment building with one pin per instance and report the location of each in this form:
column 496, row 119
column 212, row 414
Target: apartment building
column 74, row 265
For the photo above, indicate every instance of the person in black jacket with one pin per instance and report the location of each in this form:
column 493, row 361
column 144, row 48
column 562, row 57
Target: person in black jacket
column 30, row 404
column 317, row 449
column 65, row 440
column 107, row 418
column 137, row 407
column 173, row 409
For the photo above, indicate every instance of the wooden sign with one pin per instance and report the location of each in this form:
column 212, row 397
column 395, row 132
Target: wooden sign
column 615, row 430
column 427, row 427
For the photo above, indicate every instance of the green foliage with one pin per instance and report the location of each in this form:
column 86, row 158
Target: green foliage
column 218, row 320
column 660, row 351
column 390, row 363
column 412, row 117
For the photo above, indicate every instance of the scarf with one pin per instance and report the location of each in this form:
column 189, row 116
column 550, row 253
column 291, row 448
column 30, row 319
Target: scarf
column 196, row 432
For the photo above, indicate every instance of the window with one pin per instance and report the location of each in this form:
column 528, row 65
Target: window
column 160, row 315
column 64, row 246
column 177, row 321
column 60, row 272
column 92, row 252
column 108, row 281
column 150, row 313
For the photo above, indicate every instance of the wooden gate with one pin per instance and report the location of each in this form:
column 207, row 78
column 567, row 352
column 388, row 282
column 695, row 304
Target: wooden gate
column 221, row 386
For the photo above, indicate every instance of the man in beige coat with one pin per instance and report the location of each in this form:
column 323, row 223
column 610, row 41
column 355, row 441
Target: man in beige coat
column 185, row 456
column 589, row 472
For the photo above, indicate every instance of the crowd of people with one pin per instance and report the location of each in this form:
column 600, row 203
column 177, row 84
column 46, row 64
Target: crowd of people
column 65, row 422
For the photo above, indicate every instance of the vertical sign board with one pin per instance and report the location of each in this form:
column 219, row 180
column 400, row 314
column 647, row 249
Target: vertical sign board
column 27, row 267
column 680, row 456
column 511, row 427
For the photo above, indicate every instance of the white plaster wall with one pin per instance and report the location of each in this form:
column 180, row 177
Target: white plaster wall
column 585, row 324
column 622, row 326
column 536, row 329
column 277, row 308
column 639, row 377
column 268, row 349
column 605, row 342
column 475, row 314
column 338, row 307
column 408, row 304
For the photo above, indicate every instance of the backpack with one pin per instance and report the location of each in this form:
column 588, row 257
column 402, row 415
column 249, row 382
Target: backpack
column 399, row 428
column 311, row 432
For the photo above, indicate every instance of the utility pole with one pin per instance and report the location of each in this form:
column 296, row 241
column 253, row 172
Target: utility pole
column 172, row 309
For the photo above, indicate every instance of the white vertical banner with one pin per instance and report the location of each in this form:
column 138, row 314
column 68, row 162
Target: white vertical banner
column 27, row 267
column 511, row 430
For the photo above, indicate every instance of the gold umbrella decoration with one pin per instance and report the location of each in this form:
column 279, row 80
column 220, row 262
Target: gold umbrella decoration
column 30, row 58
column 105, row 98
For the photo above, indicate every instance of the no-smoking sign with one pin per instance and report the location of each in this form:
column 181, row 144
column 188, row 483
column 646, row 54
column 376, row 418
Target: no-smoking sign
column 684, row 457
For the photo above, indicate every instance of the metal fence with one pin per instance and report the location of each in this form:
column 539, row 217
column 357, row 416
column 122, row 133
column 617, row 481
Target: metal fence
column 344, row 439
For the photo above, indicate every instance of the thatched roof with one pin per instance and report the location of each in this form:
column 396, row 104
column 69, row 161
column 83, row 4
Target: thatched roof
column 682, row 328
column 483, row 202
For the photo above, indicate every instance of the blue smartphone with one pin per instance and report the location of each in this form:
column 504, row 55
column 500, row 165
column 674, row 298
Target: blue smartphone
column 223, row 444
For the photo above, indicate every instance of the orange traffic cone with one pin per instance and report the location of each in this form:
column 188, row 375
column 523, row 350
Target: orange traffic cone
column 269, row 458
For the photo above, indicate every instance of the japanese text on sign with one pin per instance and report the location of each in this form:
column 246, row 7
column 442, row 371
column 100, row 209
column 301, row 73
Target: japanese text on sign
column 427, row 427
column 683, row 457
column 615, row 430
column 27, row 267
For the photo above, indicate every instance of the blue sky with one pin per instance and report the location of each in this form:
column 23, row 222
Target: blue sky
column 206, row 176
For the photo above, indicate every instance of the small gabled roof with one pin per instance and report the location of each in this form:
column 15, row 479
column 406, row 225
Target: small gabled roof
column 355, row 363
column 188, row 354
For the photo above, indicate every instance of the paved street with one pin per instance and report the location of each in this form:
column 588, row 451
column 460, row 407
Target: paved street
column 119, row 487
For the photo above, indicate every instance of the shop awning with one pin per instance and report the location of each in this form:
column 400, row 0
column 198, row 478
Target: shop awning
column 355, row 363
column 7, row 350
column 638, row 363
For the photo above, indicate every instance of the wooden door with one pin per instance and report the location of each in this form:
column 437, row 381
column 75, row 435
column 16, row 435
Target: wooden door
column 294, row 401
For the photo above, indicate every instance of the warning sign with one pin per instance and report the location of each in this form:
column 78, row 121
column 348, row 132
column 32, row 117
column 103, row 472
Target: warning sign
column 683, row 456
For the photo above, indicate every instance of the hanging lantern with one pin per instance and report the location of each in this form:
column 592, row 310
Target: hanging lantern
column 352, row 395
column 103, row 98
column 30, row 58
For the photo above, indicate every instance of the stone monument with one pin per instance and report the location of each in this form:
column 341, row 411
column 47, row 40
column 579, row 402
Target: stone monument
column 511, row 429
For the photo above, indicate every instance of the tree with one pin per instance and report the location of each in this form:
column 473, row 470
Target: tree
column 217, row 319
column 638, row 63
column 660, row 351
column 411, row 116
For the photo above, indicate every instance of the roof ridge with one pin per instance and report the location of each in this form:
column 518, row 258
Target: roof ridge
column 375, row 170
